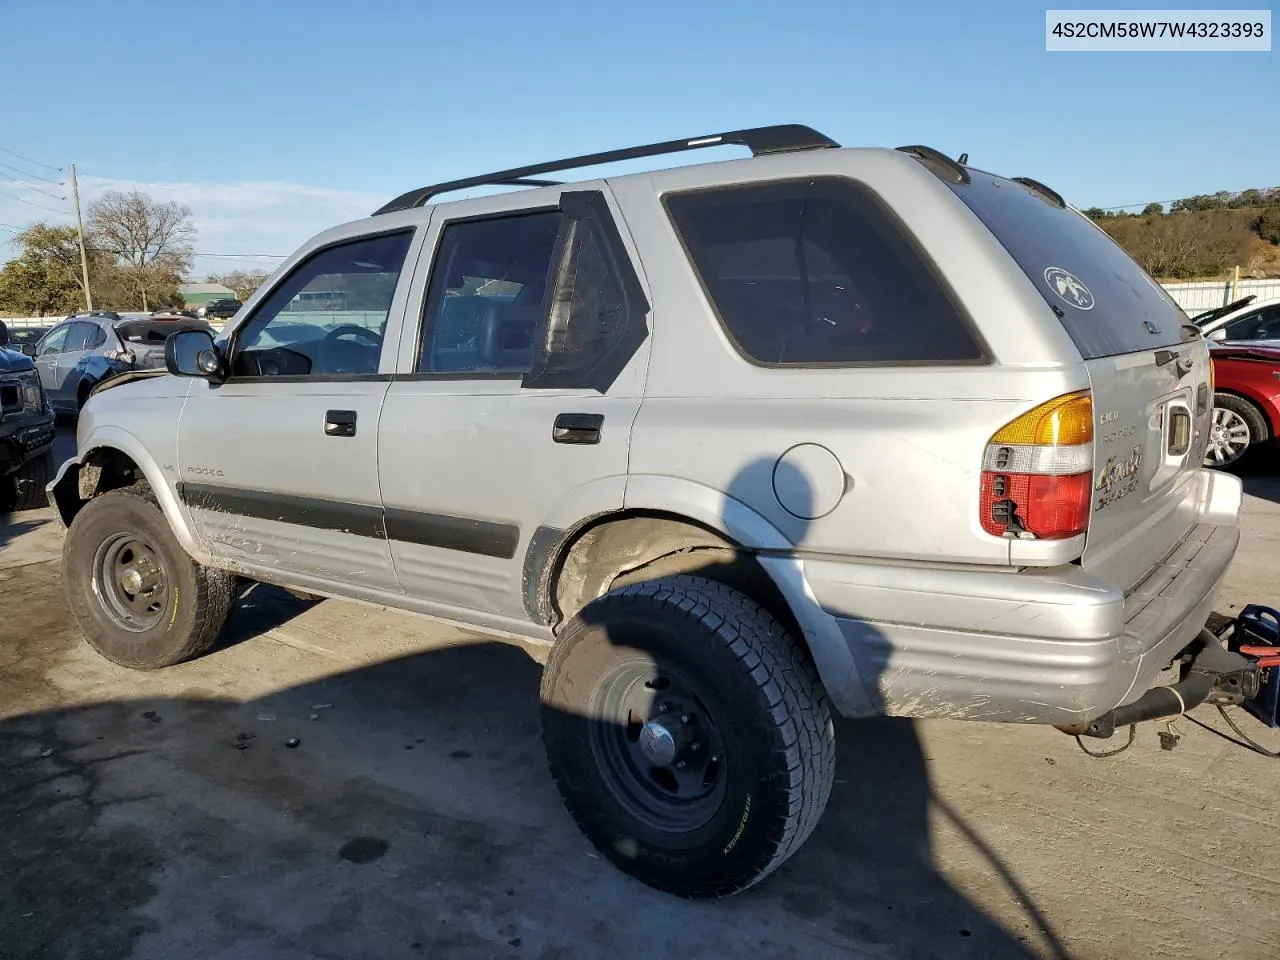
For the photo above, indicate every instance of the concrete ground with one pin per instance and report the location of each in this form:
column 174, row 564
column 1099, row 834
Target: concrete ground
column 163, row 815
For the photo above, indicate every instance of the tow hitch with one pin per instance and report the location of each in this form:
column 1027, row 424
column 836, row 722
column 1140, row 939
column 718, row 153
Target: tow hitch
column 1239, row 665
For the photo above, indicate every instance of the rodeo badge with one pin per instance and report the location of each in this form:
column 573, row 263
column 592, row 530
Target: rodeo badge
column 1118, row 478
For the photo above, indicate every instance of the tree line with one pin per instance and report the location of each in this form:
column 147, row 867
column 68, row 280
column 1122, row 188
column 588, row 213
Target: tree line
column 137, row 249
column 1201, row 236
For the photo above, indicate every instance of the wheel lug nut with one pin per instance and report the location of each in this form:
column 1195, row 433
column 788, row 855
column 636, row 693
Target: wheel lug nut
column 680, row 764
column 695, row 747
column 662, row 708
column 684, row 718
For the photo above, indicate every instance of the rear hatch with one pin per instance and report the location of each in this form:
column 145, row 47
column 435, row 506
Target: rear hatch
column 1149, row 371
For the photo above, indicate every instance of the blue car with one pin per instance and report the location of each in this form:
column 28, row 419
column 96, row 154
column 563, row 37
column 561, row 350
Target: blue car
column 88, row 348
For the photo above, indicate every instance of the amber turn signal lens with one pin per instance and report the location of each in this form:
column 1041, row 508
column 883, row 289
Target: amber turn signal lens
column 1063, row 421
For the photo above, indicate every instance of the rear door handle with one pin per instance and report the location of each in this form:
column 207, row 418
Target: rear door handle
column 581, row 428
column 340, row 423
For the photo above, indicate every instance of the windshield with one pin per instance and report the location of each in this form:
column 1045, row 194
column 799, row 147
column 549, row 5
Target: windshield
column 1107, row 303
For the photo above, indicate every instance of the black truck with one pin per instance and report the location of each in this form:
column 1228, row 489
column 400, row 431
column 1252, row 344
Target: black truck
column 26, row 431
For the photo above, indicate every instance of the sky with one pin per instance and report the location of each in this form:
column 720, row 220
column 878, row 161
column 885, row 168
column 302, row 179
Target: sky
column 275, row 119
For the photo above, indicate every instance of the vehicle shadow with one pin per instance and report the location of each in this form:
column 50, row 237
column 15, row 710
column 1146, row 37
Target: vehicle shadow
column 416, row 818
column 403, row 809
column 14, row 525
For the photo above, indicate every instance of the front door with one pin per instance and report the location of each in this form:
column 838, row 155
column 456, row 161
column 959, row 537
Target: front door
column 488, row 433
column 279, row 463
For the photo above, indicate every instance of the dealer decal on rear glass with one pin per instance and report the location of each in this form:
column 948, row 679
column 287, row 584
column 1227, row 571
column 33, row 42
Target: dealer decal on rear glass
column 1118, row 478
column 1069, row 288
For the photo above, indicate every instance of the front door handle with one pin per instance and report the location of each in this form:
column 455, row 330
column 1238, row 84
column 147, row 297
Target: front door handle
column 581, row 428
column 340, row 423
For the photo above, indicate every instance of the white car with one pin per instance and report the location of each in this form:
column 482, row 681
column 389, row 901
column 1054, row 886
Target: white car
column 1244, row 321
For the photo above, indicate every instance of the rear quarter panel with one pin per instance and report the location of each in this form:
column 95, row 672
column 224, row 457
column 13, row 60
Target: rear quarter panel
column 906, row 441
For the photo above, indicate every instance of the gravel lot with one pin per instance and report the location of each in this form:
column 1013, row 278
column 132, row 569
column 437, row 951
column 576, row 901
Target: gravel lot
column 162, row 815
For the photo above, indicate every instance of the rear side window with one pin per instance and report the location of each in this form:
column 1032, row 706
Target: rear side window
column 1107, row 303
column 819, row 273
column 79, row 338
column 487, row 300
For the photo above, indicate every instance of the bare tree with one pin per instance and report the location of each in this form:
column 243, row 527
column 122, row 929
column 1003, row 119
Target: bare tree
column 151, row 240
column 243, row 282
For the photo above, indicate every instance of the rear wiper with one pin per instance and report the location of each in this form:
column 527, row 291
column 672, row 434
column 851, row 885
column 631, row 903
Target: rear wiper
column 1184, row 364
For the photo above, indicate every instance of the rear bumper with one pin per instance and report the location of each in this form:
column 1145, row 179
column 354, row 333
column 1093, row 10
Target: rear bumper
column 1054, row 646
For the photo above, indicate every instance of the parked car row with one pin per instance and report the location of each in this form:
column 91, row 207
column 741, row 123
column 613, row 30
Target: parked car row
column 87, row 348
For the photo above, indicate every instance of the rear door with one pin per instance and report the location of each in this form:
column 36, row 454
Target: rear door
column 83, row 339
column 484, row 433
column 1148, row 371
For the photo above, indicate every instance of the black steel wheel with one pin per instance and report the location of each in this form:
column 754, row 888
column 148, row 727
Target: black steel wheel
column 688, row 734
column 658, row 745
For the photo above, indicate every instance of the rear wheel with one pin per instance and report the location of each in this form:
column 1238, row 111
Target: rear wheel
column 139, row 599
column 1236, row 430
column 688, row 734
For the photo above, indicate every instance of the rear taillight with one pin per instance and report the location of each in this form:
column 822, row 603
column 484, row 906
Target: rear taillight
column 1037, row 472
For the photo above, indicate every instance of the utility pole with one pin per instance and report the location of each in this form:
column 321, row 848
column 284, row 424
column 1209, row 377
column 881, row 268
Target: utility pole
column 84, row 256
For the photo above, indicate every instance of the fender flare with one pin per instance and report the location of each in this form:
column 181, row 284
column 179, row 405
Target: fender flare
column 110, row 437
column 775, row 552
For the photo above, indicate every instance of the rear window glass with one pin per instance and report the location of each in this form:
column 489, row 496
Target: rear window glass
column 1108, row 304
column 818, row 273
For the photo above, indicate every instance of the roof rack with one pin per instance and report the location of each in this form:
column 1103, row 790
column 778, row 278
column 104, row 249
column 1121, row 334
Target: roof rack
column 783, row 138
column 1047, row 192
column 955, row 171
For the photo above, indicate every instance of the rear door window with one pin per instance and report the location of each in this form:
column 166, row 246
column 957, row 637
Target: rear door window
column 487, row 302
column 819, row 273
column 79, row 338
column 1107, row 303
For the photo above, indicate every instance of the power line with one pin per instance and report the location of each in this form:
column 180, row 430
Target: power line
column 31, row 186
column 33, row 203
column 1126, row 206
column 38, row 163
column 28, row 173
column 245, row 256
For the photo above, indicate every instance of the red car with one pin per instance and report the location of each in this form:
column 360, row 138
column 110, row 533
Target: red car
column 1246, row 402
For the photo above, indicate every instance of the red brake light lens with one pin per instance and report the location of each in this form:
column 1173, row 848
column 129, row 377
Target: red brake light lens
column 1037, row 477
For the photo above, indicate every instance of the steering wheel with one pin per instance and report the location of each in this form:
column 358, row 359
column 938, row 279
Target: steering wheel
column 336, row 357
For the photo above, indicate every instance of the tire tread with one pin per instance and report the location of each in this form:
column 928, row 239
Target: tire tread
column 786, row 679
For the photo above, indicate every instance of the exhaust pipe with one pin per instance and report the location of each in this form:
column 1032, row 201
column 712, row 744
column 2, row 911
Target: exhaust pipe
column 1210, row 666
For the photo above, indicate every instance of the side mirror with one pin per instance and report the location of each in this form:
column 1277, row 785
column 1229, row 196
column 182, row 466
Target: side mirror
column 191, row 353
column 1218, row 336
column 29, row 349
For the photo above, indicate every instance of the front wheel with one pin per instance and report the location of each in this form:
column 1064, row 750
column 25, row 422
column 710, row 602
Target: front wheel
column 25, row 487
column 688, row 734
column 139, row 598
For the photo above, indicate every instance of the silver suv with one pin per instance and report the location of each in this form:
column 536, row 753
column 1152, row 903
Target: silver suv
column 863, row 430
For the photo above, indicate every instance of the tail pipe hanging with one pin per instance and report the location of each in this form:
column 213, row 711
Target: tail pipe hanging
column 1213, row 669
